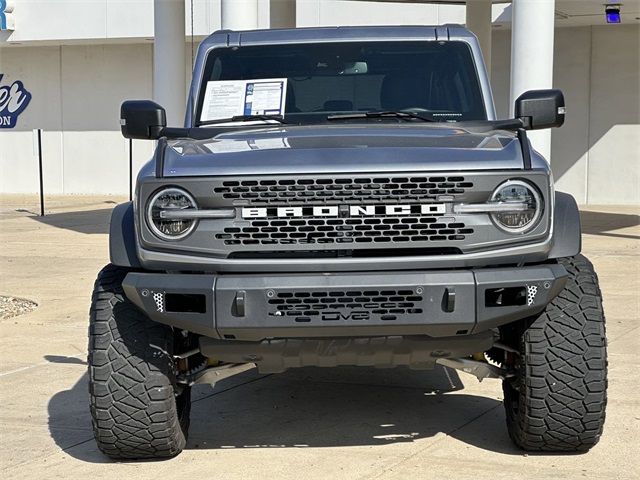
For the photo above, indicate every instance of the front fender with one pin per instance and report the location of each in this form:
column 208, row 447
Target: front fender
column 567, row 232
column 122, row 237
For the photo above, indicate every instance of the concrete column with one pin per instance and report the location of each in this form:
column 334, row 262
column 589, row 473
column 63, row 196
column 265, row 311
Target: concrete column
column 479, row 22
column 169, row 59
column 532, row 30
column 239, row 14
column 282, row 14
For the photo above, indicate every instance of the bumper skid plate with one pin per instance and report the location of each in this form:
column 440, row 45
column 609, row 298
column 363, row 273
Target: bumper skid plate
column 432, row 303
column 278, row 355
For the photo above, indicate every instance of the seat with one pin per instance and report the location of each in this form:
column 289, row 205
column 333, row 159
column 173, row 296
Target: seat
column 400, row 91
column 290, row 101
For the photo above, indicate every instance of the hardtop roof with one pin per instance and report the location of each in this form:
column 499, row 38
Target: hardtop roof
column 338, row 33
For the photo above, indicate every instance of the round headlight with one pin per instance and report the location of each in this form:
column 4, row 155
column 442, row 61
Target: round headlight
column 526, row 202
column 163, row 214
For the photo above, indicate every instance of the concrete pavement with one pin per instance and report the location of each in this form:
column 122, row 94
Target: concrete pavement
column 310, row 423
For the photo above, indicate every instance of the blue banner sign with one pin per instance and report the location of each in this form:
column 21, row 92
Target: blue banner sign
column 14, row 99
column 6, row 20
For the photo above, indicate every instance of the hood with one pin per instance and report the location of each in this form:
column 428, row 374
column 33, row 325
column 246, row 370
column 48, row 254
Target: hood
column 342, row 149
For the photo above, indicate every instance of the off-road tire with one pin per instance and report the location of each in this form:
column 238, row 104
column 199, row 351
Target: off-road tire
column 135, row 410
column 557, row 402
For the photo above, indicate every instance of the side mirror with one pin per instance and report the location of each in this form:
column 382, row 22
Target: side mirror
column 142, row 120
column 540, row 109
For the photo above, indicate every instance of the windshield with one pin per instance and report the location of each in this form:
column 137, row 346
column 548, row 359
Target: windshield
column 437, row 80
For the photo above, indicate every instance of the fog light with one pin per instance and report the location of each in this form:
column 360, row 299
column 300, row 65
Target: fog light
column 517, row 192
column 160, row 221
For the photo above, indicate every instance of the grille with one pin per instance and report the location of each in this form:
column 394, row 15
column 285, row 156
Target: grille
column 345, row 230
column 342, row 190
column 349, row 305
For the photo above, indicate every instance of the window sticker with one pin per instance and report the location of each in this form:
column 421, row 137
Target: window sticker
column 230, row 98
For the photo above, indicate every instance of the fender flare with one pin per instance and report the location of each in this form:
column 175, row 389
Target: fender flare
column 567, row 232
column 122, row 237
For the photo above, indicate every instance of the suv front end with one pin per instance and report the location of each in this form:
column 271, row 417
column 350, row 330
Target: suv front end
column 383, row 217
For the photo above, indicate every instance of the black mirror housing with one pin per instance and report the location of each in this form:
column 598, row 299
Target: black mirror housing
column 142, row 120
column 540, row 109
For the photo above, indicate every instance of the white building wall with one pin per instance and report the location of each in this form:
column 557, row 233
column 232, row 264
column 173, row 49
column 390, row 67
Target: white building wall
column 76, row 94
column 47, row 20
column 82, row 20
column 40, row 69
column 595, row 156
column 569, row 144
column 613, row 162
column 77, row 91
column 311, row 13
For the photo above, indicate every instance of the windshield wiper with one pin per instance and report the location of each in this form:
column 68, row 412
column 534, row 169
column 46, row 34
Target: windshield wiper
column 245, row 118
column 375, row 114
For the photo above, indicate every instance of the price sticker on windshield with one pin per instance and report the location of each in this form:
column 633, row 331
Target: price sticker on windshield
column 230, row 98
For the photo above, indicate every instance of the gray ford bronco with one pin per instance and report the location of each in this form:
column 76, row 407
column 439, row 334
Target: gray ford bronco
column 345, row 196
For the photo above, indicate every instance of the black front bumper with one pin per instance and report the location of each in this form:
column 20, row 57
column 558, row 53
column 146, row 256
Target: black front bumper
column 444, row 303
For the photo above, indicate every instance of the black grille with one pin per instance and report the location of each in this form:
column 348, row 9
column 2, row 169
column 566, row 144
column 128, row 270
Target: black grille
column 306, row 231
column 342, row 190
column 349, row 305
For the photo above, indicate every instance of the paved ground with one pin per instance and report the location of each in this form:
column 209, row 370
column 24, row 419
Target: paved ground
column 312, row 423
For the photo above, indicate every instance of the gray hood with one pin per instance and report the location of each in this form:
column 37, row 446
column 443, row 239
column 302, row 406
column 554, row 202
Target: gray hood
column 343, row 148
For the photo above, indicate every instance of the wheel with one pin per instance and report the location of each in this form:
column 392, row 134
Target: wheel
column 557, row 400
column 138, row 410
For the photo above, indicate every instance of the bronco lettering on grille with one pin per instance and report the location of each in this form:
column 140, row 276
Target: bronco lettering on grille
column 343, row 211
